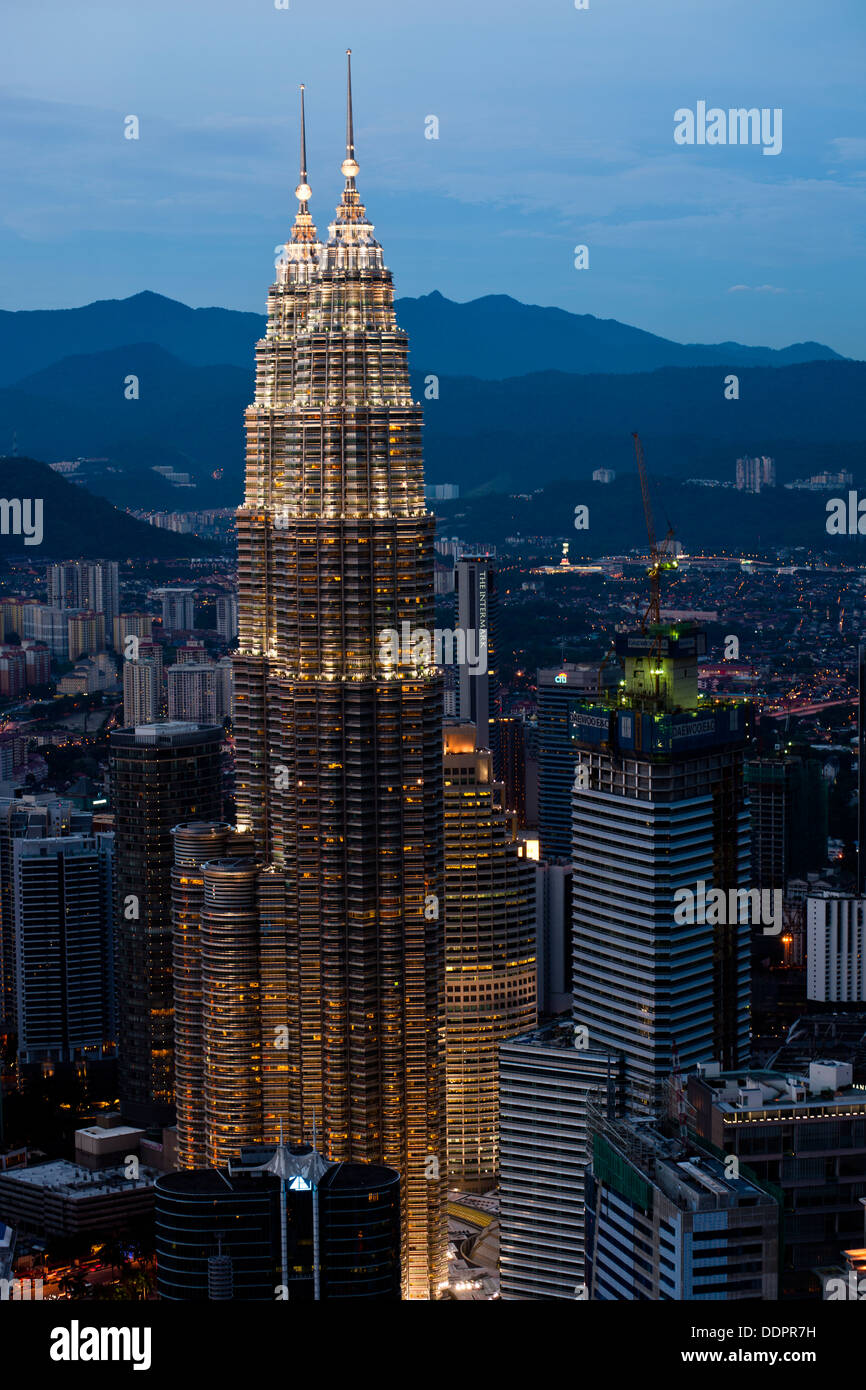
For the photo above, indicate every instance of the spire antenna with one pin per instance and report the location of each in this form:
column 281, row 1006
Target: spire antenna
column 349, row 167
column 303, row 192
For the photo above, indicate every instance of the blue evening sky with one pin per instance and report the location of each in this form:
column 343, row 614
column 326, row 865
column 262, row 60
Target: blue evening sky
column 555, row 129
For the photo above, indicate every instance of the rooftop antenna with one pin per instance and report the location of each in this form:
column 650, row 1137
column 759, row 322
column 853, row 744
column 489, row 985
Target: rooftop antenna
column 303, row 192
column 349, row 167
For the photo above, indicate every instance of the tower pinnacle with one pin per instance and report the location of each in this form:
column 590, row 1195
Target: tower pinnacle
column 349, row 166
column 303, row 192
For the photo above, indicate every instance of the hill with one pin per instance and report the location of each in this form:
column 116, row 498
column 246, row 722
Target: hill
column 78, row 525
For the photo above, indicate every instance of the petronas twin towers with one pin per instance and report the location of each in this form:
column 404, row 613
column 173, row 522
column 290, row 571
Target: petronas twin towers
column 339, row 750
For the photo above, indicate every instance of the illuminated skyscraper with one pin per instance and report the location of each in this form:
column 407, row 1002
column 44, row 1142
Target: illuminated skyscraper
column 339, row 771
column 489, row 955
column 161, row 774
column 477, row 609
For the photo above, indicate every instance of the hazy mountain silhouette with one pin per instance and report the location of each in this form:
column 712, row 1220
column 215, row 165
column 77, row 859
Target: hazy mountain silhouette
column 78, row 525
column 490, row 338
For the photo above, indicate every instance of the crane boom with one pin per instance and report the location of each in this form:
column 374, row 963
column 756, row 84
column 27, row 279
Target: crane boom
column 658, row 553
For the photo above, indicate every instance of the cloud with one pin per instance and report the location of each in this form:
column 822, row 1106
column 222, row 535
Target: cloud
column 850, row 148
column 757, row 289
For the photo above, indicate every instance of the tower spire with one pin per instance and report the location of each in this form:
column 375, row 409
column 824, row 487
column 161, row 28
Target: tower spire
column 349, row 167
column 303, row 192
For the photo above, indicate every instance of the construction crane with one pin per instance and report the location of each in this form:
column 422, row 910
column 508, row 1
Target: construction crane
column 661, row 556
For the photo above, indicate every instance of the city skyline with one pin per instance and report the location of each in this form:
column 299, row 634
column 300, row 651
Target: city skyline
column 440, row 875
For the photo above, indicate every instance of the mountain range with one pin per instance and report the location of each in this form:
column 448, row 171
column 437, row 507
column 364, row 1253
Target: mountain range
column 491, row 338
column 522, row 395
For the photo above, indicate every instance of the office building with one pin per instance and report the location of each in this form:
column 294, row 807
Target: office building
column 788, row 810
column 62, row 1199
column 477, row 623
column 218, row 1231
column 553, row 888
column 509, row 738
column 489, row 955
column 161, row 775
column 545, row 1080
column 659, row 810
column 560, row 690
column 64, row 917
column 232, row 1038
column 338, row 740
column 836, row 949
column 804, row 1135
column 667, row 1219
column 196, row 843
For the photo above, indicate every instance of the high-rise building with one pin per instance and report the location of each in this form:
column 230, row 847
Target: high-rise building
column 788, row 810
column 178, row 609
column 219, row 1231
column 754, row 474
column 37, row 663
column 477, row 624
column 142, row 691
column 13, row 672
column 667, row 1219
column 338, row 739
column 196, row 844
column 31, row 818
column 545, row 1081
column 509, row 738
column 836, row 949
column 489, row 955
column 126, row 625
column 659, row 809
column 227, row 617
column 231, row 1014
column 192, row 650
column 561, row 689
column 197, row 691
column 44, row 623
column 161, row 775
column 64, row 914
column 85, row 632
column 553, row 937
column 87, row 584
